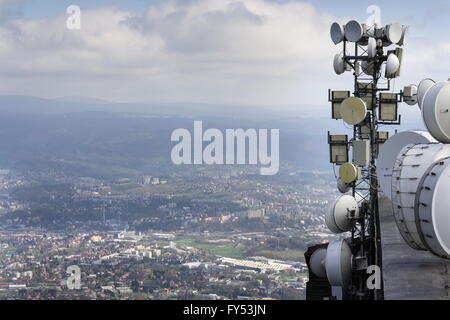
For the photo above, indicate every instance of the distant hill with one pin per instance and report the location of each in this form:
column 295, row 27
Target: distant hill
column 92, row 137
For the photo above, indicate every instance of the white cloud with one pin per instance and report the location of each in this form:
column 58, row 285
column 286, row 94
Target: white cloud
column 214, row 51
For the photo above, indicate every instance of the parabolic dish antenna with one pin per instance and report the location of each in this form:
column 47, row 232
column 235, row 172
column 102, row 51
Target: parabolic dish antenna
column 432, row 208
column 391, row 149
column 412, row 163
column 339, row 64
column 436, row 111
column 337, row 33
column 338, row 263
column 392, row 65
column 342, row 186
column 372, row 47
column 348, row 173
column 353, row 31
column 422, row 89
column 340, row 214
column 317, row 263
column 353, row 111
column 394, row 32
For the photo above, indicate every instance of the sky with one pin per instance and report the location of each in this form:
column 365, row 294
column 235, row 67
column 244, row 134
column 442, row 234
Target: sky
column 240, row 52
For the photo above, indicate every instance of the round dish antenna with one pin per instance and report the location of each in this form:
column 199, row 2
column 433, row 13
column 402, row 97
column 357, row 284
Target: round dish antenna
column 353, row 111
column 338, row 263
column 392, row 65
column 342, row 186
column 348, row 173
column 341, row 214
column 436, row 111
column 371, row 47
column 422, row 89
column 317, row 263
column 354, row 31
column 394, row 32
column 337, row 33
column 339, row 64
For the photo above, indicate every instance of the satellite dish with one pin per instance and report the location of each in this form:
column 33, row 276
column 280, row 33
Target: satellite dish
column 405, row 31
column 410, row 97
column 353, row 111
column 412, row 163
column 422, row 89
column 394, row 32
column 372, row 48
column 337, row 33
column 342, row 186
column 339, row 64
column 353, row 31
column 341, row 214
column 317, row 263
column 338, row 263
column 389, row 152
column 392, row 65
column 436, row 111
column 348, row 173
column 432, row 209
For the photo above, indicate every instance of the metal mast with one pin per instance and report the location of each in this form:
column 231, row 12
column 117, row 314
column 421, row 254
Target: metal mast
column 371, row 104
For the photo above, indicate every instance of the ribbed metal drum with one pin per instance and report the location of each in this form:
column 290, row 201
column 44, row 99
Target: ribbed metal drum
column 411, row 164
column 433, row 208
column 390, row 151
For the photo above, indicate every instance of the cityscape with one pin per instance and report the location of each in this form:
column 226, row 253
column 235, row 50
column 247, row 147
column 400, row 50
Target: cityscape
column 227, row 234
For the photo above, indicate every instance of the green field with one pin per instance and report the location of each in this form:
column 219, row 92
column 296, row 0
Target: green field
column 216, row 249
column 291, row 254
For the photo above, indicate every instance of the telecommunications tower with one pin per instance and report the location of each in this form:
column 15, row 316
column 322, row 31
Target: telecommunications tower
column 339, row 270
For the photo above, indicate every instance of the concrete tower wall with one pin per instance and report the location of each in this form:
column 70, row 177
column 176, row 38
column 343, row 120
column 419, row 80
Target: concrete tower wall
column 408, row 273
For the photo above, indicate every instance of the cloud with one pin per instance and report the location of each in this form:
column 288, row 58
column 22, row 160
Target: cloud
column 216, row 51
column 213, row 51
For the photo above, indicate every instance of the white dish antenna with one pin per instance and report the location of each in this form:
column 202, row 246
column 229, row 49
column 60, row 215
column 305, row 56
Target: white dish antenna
column 339, row 64
column 422, row 89
column 392, row 65
column 338, row 263
column 436, row 111
column 372, row 48
column 337, row 33
column 389, row 153
column 394, row 32
column 342, row 186
column 411, row 164
column 432, row 208
column 353, row 111
column 354, row 31
column 317, row 263
column 341, row 214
